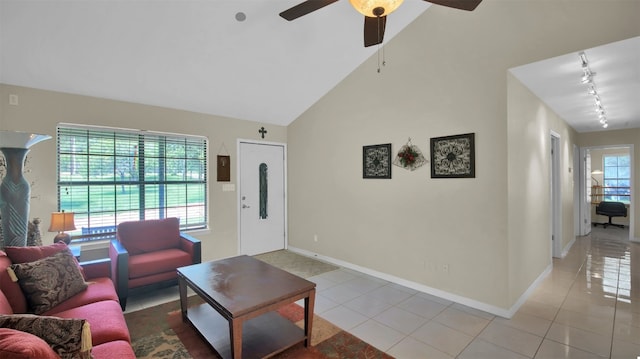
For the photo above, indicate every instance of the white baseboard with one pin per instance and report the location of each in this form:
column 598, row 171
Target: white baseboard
column 566, row 249
column 501, row 312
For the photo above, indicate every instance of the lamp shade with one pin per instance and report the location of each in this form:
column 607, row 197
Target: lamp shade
column 375, row 8
column 62, row 221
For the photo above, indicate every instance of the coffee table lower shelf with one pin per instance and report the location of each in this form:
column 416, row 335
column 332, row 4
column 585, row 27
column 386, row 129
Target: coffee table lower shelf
column 262, row 337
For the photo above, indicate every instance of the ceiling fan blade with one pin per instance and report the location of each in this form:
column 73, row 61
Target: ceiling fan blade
column 305, row 8
column 468, row 5
column 374, row 30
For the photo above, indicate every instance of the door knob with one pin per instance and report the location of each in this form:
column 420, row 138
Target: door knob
column 245, row 206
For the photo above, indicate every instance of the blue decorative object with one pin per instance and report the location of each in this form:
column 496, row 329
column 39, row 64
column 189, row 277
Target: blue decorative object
column 14, row 189
column 263, row 190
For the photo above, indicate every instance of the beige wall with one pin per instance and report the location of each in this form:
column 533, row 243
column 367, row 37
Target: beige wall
column 620, row 137
column 446, row 74
column 530, row 126
column 40, row 111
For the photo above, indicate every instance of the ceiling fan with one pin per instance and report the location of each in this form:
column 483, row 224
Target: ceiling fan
column 375, row 13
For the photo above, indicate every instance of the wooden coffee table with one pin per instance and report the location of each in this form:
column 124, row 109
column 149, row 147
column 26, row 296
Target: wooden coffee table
column 241, row 295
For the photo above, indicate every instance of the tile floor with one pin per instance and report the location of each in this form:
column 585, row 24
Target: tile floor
column 587, row 307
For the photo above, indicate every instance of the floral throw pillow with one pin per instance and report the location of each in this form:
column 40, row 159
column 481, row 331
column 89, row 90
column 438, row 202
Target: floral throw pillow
column 49, row 281
column 69, row 338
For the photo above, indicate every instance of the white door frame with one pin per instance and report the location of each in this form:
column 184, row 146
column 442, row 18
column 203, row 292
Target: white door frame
column 556, row 196
column 239, row 190
column 576, row 191
column 584, row 206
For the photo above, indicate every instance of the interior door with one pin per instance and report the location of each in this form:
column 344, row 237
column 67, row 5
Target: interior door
column 556, row 212
column 587, row 200
column 262, row 197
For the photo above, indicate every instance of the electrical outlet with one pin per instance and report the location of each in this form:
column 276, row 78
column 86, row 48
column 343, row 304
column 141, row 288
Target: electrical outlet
column 315, row 237
column 445, row 268
column 13, row 100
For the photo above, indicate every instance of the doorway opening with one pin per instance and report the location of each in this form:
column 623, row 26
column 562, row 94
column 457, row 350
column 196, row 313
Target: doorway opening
column 604, row 180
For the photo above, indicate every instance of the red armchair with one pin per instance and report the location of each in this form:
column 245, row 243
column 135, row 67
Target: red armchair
column 147, row 253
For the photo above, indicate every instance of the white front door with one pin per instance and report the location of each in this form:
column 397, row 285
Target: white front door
column 262, row 196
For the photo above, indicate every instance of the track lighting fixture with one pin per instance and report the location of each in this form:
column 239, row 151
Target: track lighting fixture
column 587, row 78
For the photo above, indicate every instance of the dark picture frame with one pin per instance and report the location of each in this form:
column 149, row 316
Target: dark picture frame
column 453, row 156
column 223, row 168
column 376, row 161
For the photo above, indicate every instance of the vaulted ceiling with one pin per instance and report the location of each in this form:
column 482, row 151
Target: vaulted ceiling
column 203, row 56
column 191, row 55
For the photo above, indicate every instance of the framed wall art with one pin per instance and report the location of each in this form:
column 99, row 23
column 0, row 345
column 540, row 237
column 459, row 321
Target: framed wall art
column 376, row 161
column 224, row 168
column 453, row 156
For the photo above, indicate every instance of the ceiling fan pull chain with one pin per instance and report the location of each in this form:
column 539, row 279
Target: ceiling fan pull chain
column 380, row 47
column 384, row 61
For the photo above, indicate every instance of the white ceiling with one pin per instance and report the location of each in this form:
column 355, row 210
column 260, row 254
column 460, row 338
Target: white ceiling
column 188, row 54
column 194, row 55
column 557, row 82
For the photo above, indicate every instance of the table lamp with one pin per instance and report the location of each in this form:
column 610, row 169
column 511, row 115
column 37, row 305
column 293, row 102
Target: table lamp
column 60, row 222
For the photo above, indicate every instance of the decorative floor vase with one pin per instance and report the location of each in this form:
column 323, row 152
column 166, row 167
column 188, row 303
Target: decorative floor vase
column 14, row 189
column 14, row 194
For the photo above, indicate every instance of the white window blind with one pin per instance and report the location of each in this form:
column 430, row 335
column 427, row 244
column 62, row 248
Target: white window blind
column 107, row 176
column 617, row 178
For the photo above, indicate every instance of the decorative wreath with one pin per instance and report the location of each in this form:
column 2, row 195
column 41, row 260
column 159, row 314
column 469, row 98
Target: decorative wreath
column 409, row 157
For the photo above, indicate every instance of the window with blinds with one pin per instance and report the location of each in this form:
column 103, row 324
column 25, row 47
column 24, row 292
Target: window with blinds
column 617, row 178
column 107, row 176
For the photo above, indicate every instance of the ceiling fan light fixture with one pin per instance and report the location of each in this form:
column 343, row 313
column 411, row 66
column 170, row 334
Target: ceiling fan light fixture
column 375, row 8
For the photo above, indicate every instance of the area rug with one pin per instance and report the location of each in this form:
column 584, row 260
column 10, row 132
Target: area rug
column 158, row 332
column 297, row 264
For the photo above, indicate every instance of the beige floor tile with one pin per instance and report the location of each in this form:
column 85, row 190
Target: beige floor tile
column 625, row 350
column 628, row 304
column 443, row 338
column 473, row 311
column 510, row 338
column 560, row 276
column 410, row 348
column 600, row 325
column 581, row 339
column 554, row 350
column 401, row 320
column 480, row 349
column 589, row 307
column 602, row 295
column 548, row 298
column 625, row 316
column 421, row 306
column 626, row 332
column 577, row 309
column 462, row 321
column 528, row 323
column 538, row 309
column 377, row 334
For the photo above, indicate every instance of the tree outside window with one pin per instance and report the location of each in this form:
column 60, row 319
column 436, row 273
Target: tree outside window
column 617, row 178
column 108, row 176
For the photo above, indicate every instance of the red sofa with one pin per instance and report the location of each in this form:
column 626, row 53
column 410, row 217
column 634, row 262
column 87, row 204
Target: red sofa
column 146, row 254
column 98, row 304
